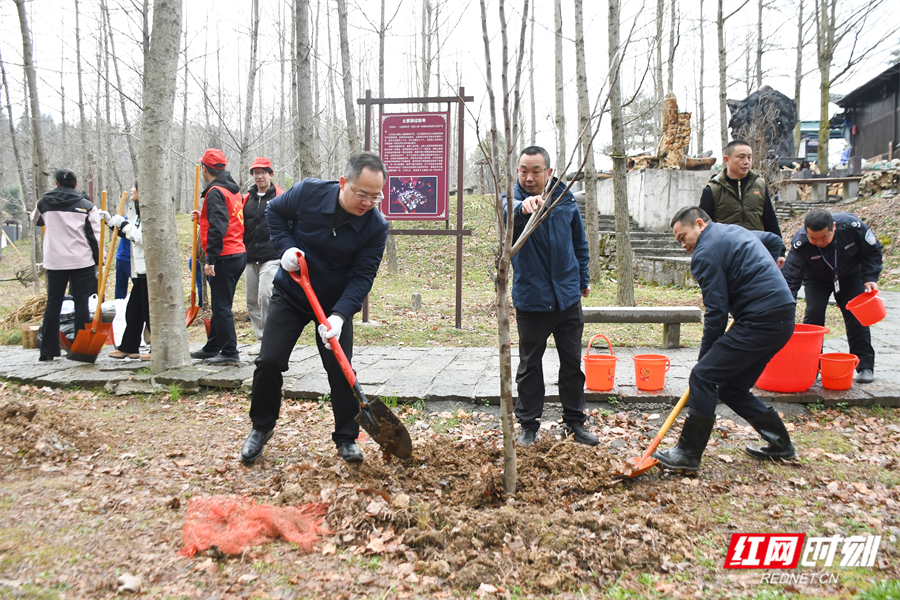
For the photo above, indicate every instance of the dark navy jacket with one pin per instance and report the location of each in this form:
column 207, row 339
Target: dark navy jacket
column 736, row 274
column 858, row 254
column 342, row 261
column 551, row 269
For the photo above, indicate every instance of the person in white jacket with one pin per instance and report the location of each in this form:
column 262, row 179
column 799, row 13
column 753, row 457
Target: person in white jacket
column 137, row 312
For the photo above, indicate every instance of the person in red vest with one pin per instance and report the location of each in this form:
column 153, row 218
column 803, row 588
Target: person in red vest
column 263, row 259
column 222, row 239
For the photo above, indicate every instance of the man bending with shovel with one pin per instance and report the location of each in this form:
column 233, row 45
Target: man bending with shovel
column 333, row 226
column 737, row 274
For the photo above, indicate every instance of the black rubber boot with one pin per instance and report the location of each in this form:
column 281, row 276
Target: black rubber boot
column 686, row 455
column 770, row 426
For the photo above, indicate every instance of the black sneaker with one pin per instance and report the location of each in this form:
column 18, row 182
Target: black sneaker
column 579, row 433
column 527, row 436
column 350, row 452
column 224, row 360
column 202, row 354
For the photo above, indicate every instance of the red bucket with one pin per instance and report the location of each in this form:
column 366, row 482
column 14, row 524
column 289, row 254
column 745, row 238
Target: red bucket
column 837, row 370
column 599, row 369
column 650, row 371
column 795, row 366
column 868, row 308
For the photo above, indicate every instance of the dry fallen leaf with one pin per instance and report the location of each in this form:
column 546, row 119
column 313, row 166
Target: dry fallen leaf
column 725, row 458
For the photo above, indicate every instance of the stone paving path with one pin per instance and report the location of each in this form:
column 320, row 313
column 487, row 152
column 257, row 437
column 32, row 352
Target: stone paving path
column 465, row 375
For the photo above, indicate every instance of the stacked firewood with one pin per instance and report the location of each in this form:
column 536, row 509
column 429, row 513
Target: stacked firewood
column 676, row 140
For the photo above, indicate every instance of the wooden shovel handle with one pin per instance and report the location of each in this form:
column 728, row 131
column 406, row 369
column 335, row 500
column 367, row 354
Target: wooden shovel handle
column 194, row 238
column 98, row 313
column 100, row 246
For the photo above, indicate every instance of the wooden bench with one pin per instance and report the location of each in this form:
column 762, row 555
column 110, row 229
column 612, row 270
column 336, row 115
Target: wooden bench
column 670, row 316
column 820, row 187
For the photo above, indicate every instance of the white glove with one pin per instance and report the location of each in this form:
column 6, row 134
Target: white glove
column 336, row 323
column 116, row 221
column 289, row 260
column 104, row 215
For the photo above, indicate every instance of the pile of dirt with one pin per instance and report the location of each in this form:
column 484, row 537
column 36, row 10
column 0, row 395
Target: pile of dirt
column 31, row 431
column 880, row 214
column 442, row 512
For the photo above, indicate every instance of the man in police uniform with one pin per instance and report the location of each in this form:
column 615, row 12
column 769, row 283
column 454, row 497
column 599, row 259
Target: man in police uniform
column 836, row 253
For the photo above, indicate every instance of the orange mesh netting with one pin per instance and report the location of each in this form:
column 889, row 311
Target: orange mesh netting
column 235, row 523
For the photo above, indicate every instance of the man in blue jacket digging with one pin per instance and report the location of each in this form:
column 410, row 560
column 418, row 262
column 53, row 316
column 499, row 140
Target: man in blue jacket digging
column 334, row 226
column 737, row 275
column 550, row 276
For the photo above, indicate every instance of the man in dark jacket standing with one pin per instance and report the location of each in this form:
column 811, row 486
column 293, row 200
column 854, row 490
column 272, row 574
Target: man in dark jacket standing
column 550, row 276
column 836, row 253
column 333, row 225
column 262, row 257
column 222, row 238
column 736, row 274
column 738, row 196
column 70, row 254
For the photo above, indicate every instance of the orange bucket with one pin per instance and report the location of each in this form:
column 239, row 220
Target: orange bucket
column 837, row 369
column 795, row 366
column 599, row 369
column 650, row 371
column 868, row 308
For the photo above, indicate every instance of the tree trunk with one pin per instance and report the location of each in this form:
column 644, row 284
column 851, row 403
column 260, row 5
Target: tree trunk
column 658, row 70
column 390, row 250
column 759, row 44
column 304, row 119
column 170, row 340
column 185, row 202
column 505, row 231
column 561, row 158
column 723, row 88
column 125, row 121
column 533, row 139
column 798, row 75
column 251, row 90
column 585, row 131
column 674, row 40
column 349, row 110
column 701, row 114
column 38, row 166
column 825, row 30
column 88, row 157
column 25, row 196
column 624, row 257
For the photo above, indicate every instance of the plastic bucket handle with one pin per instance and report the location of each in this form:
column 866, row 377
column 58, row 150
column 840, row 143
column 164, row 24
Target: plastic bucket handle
column 591, row 343
column 855, row 363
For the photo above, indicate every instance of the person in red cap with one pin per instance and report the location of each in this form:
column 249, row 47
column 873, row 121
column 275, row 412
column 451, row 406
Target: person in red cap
column 222, row 239
column 263, row 259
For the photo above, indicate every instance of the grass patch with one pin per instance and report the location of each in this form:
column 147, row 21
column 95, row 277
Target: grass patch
column 883, row 590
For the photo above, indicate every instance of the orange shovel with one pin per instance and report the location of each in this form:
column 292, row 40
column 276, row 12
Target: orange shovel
column 639, row 465
column 90, row 340
column 191, row 312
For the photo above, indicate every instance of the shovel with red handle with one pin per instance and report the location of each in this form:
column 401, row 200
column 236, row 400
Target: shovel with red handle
column 374, row 416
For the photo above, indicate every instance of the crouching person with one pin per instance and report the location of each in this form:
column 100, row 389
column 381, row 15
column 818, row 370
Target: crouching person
column 737, row 274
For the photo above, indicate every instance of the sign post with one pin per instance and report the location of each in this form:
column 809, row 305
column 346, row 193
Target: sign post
column 415, row 150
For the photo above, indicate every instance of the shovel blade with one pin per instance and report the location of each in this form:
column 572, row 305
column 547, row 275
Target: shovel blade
column 385, row 428
column 190, row 314
column 639, row 467
column 88, row 344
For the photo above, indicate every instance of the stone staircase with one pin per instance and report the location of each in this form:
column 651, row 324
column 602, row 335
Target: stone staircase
column 789, row 210
column 658, row 258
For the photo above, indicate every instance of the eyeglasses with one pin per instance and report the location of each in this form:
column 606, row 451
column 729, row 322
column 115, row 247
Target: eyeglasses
column 366, row 197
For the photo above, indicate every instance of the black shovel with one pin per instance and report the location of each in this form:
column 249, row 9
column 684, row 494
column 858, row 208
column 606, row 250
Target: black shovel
column 374, row 416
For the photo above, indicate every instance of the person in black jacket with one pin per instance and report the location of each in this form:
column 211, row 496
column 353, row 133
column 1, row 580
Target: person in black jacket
column 736, row 274
column 262, row 257
column 738, row 196
column 333, row 225
column 222, row 237
column 836, row 253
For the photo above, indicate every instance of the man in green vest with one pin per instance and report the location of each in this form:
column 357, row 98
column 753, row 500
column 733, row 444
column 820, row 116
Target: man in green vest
column 738, row 196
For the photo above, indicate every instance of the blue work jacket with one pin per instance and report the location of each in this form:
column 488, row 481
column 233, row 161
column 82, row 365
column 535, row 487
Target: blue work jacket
column 551, row 269
column 342, row 261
